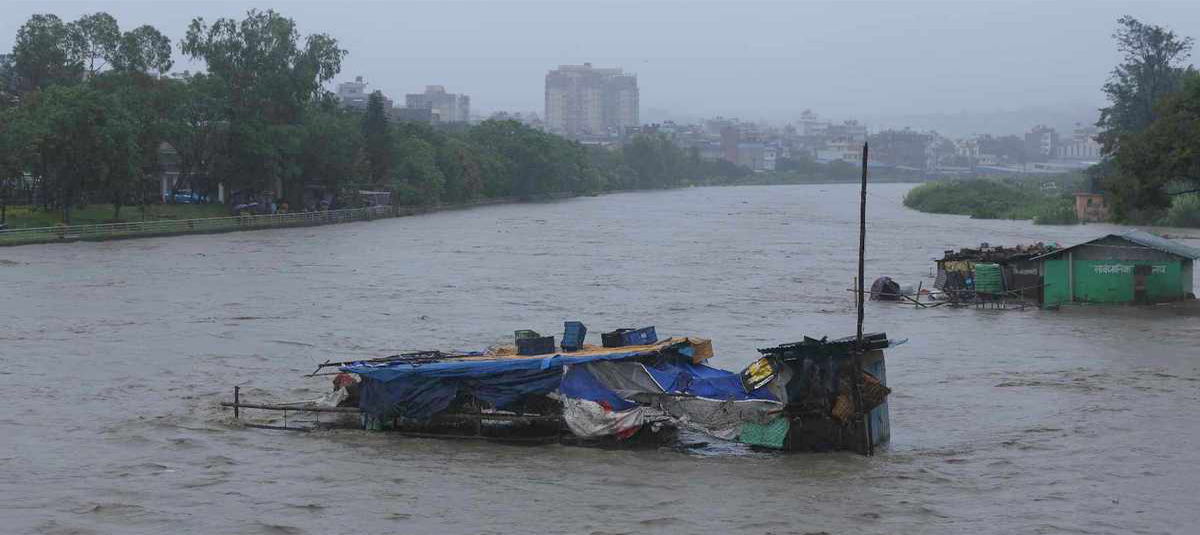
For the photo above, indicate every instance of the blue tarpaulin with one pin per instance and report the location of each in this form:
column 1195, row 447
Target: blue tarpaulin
column 579, row 383
column 420, row 391
column 682, row 377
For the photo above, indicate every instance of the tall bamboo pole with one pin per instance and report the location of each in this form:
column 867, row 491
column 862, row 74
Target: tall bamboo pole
column 859, row 349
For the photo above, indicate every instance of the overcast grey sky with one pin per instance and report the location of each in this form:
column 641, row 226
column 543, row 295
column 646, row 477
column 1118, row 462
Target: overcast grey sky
column 975, row 65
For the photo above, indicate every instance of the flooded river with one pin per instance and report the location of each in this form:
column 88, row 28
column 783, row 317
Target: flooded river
column 115, row 356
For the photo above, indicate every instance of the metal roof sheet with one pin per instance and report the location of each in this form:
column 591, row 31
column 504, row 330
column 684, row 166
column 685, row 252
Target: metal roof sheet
column 1144, row 239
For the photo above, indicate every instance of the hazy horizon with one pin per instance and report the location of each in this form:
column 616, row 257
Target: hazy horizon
column 962, row 67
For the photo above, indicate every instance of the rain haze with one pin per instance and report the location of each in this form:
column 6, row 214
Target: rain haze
column 956, row 67
column 599, row 267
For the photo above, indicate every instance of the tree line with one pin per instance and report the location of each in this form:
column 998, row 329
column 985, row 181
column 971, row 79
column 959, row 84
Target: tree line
column 1151, row 128
column 86, row 111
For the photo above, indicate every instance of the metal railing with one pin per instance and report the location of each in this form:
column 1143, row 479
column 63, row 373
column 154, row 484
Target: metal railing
column 107, row 231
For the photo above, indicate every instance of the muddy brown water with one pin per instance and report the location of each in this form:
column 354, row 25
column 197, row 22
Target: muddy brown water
column 115, row 356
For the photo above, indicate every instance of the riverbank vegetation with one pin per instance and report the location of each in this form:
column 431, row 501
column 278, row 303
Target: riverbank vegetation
column 89, row 118
column 26, row 216
column 1045, row 200
column 1152, row 128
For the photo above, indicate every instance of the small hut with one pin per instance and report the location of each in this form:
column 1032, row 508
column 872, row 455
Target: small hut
column 1133, row 267
column 1005, row 270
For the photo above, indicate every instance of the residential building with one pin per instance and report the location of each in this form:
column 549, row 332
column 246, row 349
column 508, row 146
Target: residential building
column 583, row 101
column 839, row 142
column 447, row 107
column 1082, row 146
column 967, row 147
column 811, row 125
column 845, row 150
column 729, row 144
column 419, row 115
column 751, row 156
column 902, row 148
column 353, row 94
column 851, row 131
column 1041, row 143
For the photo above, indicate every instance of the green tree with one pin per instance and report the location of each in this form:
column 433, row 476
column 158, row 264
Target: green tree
column 416, row 177
column 377, row 135
column 332, row 142
column 94, row 39
column 1152, row 67
column 143, row 49
column 270, row 75
column 45, row 53
column 15, row 155
column 195, row 128
column 85, row 141
column 462, row 167
column 1165, row 153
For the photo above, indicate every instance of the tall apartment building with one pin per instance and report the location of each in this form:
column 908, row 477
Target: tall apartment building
column 355, row 95
column 585, row 101
column 447, row 107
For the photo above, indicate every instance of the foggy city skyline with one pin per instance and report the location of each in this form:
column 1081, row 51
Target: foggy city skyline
column 898, row 266
column 959, row 68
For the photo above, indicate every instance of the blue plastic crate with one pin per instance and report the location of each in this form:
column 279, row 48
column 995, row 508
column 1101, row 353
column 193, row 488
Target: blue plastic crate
column 535, row 346
column 639, row 337
column 573, row 334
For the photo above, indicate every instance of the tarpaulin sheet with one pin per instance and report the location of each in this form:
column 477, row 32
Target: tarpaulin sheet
column 579, row 383
column 423, row 390
column 709, row 400
column 591, row 409
column 704, row 381
column 422, row 397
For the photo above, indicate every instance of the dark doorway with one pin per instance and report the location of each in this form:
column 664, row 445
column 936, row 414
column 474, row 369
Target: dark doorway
column 1139, row 284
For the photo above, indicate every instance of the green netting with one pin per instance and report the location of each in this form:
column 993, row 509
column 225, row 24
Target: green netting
column 988, row 278
column 770, row 435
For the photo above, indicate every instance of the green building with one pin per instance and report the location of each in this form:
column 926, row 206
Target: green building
column 1133, row 267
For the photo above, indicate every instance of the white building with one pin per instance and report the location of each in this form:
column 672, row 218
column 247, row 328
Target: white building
column 1082, row 146
column 353, row 94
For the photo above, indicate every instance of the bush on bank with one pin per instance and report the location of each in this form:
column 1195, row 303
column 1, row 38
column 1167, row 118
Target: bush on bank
column 996, row 199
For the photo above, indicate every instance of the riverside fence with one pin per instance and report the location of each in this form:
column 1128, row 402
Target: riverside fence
column 164, row 227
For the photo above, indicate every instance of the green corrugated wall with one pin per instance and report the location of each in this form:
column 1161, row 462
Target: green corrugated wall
column 1109, row 285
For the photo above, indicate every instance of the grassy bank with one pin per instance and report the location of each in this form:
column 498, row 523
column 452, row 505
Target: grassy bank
column 999, row 199
column 25, row 216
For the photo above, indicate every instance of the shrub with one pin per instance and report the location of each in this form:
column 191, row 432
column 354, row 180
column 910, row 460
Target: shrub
column 1184, row 211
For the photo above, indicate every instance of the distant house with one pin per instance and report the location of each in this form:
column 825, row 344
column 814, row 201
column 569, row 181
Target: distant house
column 1090, row 207
column 1133, row 267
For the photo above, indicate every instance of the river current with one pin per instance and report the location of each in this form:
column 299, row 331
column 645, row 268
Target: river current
column 115, row 356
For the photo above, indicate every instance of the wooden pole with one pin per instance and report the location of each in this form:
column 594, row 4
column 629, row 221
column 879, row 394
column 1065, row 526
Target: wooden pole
column 862, row 242
column 859, row 349
column 237, row 402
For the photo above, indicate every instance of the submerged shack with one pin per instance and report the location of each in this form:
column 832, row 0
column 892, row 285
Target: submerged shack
column 1133, row 267
column 809, row 395
column 991, row 272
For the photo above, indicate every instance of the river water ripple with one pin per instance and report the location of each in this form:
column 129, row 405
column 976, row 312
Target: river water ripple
column 115, row 356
